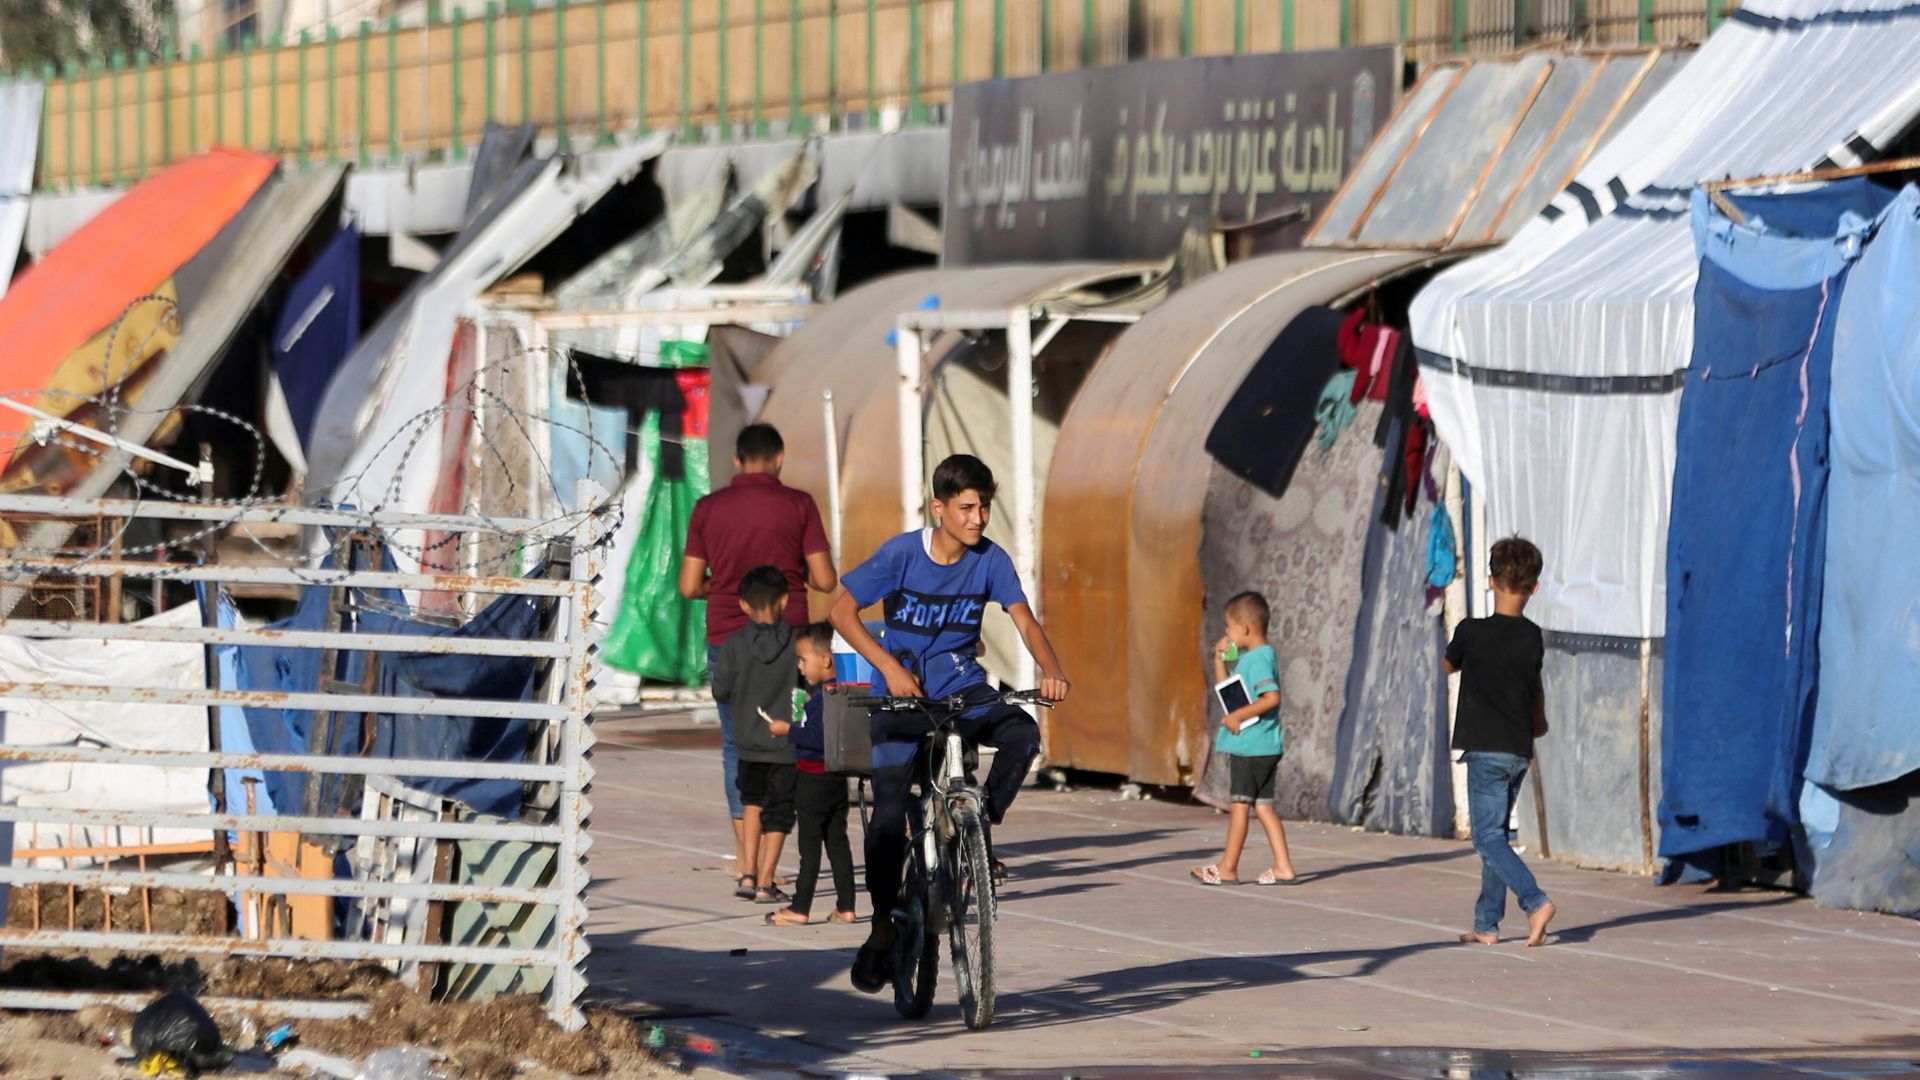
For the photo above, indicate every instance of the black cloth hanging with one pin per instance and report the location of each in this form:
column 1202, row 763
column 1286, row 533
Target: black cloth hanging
column 1266, row 425
column 639, row 390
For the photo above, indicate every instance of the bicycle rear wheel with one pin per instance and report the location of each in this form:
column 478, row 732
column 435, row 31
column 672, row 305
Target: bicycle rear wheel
column 970, row 906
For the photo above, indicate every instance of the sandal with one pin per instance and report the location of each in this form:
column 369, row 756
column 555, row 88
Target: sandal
column 743, row 888
column 1210, row 875
column 786, row 917
column 872, row 969
column 1268, row 877
column 772, row 894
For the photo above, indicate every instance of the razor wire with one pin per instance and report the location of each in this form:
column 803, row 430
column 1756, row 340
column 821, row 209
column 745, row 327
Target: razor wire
column 471, row 404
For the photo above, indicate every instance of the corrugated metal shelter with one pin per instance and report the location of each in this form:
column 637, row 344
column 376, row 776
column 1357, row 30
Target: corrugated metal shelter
column 1474, row 150
column 1555, row 365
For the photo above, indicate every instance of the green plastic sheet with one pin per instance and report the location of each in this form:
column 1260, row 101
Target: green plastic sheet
column 659, row 634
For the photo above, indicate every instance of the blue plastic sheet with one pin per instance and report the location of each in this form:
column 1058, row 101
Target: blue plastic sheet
column 1746, row 539
column 448, row 738
column 1864, row 728
column 317, row 328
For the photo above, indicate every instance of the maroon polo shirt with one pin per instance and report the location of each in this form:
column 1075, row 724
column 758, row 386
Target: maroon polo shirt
column 754, row 521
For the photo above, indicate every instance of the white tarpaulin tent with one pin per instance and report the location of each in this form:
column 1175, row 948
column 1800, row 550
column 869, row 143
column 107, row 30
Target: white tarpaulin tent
column 1552, row 361
column 19, row 141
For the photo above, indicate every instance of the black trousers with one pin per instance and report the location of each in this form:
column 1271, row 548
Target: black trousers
column 820, row 804
column 897, row 766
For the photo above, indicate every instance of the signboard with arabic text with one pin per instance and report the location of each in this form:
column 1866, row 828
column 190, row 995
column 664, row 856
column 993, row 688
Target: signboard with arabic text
column 1112, row 163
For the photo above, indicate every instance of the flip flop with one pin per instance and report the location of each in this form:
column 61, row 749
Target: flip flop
column 786, row 917
column 1210, row 875
column 1268, row 877
column 743, row 888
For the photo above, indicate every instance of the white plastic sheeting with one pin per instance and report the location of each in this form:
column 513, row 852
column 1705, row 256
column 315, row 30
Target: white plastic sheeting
column 19, row 143
column 1556, row 355
column 93, row 786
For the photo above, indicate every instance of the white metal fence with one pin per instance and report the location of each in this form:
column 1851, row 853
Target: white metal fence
column 555, row 770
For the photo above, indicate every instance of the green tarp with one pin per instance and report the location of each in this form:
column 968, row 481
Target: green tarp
column 659, row 634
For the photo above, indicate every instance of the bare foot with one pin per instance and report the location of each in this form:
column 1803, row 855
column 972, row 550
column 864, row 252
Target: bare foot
column 1475, row 938
column 843, row 917
column 1537, row 925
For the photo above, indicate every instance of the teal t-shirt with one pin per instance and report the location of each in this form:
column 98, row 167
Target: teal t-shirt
column 1259, row 668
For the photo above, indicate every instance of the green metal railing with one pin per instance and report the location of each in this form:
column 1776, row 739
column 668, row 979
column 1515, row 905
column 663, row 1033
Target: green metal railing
column 673, row 62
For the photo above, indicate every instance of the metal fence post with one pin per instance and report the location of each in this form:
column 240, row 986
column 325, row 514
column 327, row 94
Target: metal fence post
column 759, row 70
column 303, row 139
column 458, row 29
column 999, row 37
column 1404, row 20
column 1186, row 27
column 1286, row 25
column 393, row 89
column 915, row 114
column 833, row 61
column 687, row 129
column 1346, row 23
column 246, row 93
column 46, row 125
column 1239, row 26
column 526, row 61
column 797, row 90
column 333, row 111
column 645, row 47
column 273, row 95
column 93, row 123
column 140, row 117
column 723, row 90
column 1087, row 46
column 958, row 74
column 574, row 811
column 119, row 65
column 560, row 75
column 219, row 95
column 605, row 137
column 490, row 77
column 873, row 79
column 360, row 77
column 193, row 104
column 1460, row 10
column 1646, row 22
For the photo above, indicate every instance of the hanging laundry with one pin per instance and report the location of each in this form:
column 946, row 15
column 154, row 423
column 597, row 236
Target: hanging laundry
column 1369, row 349
column 1268, row 422
column 1336, row 409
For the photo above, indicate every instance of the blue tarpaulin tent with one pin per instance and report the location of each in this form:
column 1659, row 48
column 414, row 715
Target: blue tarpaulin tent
column 1745, row 543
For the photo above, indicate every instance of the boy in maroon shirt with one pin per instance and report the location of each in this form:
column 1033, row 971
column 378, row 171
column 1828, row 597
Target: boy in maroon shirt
column 754, row 521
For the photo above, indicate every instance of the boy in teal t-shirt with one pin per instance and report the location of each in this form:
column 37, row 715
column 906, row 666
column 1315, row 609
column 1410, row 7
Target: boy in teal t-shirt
column 1252, row 741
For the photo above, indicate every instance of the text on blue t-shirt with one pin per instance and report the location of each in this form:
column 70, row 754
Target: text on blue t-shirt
column 933, row 612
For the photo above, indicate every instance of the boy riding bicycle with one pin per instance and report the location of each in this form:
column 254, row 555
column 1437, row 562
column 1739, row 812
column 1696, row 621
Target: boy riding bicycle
column 934, row 585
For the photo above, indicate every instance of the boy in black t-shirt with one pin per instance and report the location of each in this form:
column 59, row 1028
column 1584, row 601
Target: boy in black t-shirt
column 1502, row 710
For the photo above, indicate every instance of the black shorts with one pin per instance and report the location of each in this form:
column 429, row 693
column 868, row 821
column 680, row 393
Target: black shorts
column 1251, row 779
column 769, row 786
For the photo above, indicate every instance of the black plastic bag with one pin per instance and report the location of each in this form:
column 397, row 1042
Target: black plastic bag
column 179, row 1026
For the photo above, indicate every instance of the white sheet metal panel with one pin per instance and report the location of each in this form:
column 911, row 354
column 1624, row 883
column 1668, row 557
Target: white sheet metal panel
column 1561, row 401
column 19, row 143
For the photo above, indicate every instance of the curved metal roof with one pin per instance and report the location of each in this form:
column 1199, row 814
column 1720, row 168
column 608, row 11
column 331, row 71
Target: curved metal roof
column 1123, row 594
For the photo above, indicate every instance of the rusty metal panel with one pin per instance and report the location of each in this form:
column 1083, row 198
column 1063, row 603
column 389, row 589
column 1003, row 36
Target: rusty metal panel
column 844, row 348
column 1124, row 593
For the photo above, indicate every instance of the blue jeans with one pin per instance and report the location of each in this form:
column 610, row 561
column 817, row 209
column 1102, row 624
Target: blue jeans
column 729, row 757
column 1493, row 783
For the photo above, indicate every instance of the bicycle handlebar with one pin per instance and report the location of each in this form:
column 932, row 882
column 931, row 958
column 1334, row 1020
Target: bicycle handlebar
column 956, row 703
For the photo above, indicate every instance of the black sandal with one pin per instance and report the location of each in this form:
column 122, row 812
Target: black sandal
column 772, row 894
column 872, row 969
column 744, row 888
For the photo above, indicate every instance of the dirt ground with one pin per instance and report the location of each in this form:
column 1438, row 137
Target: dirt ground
column 509, row 1038
column 171, row 911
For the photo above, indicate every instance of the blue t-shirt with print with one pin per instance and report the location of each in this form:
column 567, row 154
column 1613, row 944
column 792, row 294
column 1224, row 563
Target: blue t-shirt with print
column 932, row 611
column 1259, row 668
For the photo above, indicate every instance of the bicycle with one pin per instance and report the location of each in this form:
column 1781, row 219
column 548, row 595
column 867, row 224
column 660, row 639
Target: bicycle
column 948, row 883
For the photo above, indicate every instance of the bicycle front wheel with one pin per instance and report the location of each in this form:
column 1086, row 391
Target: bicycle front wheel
column 970, row 907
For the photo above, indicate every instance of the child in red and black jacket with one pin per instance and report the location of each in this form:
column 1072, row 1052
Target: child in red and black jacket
column 820, row 797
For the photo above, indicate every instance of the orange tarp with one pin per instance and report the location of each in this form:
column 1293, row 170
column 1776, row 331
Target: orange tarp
column 67, row 300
